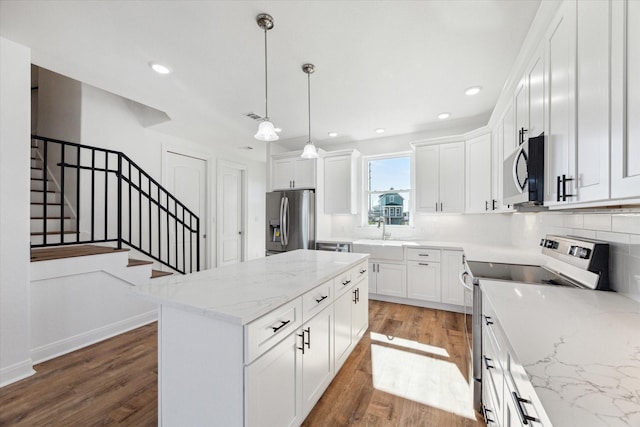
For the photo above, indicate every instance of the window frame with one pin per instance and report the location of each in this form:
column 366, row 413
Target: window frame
column 364, row 217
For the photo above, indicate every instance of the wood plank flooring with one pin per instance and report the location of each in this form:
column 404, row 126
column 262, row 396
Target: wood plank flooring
column 115, row 382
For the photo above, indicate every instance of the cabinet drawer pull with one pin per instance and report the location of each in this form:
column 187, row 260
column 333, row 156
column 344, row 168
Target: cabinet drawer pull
column 422, row 263
column 346, row 282
column 423, row 254
column 363, row 271
column 486, row 363
column 319, row 300
column 283, row 323
column 487, row 320
column 523, row 417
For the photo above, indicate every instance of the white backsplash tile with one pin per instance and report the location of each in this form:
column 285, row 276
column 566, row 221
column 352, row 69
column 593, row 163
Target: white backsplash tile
column 587, row 234
column 600, row 222
column 634, row 245
column 633, row 267
column 625, row 223
column 618, row 242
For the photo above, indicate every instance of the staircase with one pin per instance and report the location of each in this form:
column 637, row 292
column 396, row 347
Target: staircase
column 53, row 222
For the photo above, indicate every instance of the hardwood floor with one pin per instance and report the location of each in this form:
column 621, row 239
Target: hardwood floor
column 408, row 351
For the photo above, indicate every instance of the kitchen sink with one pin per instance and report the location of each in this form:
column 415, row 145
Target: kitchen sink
column 392, row 250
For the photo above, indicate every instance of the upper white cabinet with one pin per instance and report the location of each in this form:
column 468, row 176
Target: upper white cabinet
column 340, row 182
column 290, row 171
column 625, row 99
column 439, row 172
column 478, row 175
column 560, row 145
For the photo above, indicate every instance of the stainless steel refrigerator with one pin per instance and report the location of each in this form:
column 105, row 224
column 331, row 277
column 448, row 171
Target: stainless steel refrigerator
column 291, row 221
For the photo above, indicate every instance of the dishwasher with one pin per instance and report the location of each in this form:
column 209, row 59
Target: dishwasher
column 333, row 246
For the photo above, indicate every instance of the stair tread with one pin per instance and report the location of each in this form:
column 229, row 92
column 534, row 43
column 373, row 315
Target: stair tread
column 135, row 262
column 60, row 252
column 42, row 191
column 51, row 218
column 158, row 273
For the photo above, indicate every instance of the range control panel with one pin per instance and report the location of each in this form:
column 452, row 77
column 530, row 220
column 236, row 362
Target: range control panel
column 576, row 250
column 568, row 248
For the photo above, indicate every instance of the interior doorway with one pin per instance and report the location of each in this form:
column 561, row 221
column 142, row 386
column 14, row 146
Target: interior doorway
column 231, row 224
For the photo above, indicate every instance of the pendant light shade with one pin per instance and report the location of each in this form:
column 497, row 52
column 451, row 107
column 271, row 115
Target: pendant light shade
column 310, row 151
column 266, row 131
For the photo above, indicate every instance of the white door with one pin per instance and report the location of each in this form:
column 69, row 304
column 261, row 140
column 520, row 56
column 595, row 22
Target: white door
column 230, row 214
column 186, row 179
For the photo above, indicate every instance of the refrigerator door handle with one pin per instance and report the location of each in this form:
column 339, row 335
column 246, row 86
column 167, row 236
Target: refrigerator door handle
column 285, row 222
column 282, row 221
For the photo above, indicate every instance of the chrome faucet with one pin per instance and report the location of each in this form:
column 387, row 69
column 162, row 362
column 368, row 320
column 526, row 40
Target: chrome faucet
column 382, row 219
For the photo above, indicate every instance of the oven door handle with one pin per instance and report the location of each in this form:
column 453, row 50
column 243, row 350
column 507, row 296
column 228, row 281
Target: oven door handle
column 461, row 277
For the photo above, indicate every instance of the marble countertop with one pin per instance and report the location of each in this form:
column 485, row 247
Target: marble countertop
column 240, row 293
column 580, row 350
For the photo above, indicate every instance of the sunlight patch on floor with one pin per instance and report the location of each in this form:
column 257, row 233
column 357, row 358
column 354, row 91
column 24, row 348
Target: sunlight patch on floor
column 413, row 345
column 421, row 378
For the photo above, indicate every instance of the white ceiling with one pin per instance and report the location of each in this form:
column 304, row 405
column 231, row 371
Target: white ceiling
column 389, row 64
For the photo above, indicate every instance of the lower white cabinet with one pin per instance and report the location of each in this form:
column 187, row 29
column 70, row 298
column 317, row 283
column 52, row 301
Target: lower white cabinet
column 272, row 386
column 452, row 291
column 423, row 280
column 316, row 347
column 351, row 314
column 388, row 279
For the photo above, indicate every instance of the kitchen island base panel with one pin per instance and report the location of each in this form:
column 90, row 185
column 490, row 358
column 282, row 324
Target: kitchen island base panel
column 200, row 370
column 418, row 303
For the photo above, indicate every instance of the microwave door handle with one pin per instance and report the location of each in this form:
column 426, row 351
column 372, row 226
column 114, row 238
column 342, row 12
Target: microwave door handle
column 516, row 179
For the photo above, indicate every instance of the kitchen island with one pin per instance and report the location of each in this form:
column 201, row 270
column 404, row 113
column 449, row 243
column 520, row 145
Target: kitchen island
column 256, row 343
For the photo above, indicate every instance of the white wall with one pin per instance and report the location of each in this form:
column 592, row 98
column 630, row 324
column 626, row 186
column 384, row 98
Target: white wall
column 15, row 128
column 620, row 228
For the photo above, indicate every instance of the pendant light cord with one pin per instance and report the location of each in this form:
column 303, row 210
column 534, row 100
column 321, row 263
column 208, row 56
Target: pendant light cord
column 309, row 101
column 266, row 88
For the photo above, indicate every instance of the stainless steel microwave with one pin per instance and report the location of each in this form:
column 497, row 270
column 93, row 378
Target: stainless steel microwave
column 523, row 174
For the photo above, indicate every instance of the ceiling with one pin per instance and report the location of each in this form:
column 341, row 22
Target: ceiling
column 379, row 64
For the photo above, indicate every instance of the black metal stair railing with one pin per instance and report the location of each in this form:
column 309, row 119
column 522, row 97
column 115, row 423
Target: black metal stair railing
column 134, row 209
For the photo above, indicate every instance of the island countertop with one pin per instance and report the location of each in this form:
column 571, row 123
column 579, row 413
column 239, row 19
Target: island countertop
column 579, row 348
column 241, row 293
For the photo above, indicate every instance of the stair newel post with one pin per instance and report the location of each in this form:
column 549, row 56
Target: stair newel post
column 63, row 193
column 197, row 243
column 119, row 200
column 44, row 206
column 78, row 194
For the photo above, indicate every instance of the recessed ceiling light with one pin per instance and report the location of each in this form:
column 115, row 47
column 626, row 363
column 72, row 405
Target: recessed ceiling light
column 160, row 68
column 379, row 130
column 333, row 134
column 473, row 90
column 278, row 130
column 443, row 116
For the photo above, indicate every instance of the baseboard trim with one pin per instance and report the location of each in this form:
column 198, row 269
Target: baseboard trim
column 418, row 303
column 67, row 345
column 16, row 372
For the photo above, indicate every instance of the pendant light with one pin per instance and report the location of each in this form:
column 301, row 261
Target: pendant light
column 266, row 131
column 310, row 151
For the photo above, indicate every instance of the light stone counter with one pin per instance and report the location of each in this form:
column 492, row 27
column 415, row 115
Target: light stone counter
column 240, row 293
column 580, row 350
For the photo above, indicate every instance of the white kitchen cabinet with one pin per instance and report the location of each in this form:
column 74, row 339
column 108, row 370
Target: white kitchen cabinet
column 317, row 357
column 625, row 99
column 273, row 383
column 388, row 279
column 452, row 291
column 560, row 146
column 340, row 182
column 351, row 313
column 423, row 280
column 290, row 171
column 439, row 172
column 479, row 196
column 509, row 139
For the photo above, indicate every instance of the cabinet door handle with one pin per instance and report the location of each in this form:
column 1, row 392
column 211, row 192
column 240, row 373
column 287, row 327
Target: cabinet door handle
column 558, row 193
column 283, row 323
column 564, row 188
column 308, row 342
column 487, row 364
column 422, row 263
column 319, row 300
column 487, row 320
column 519, row 401
column 301, row 348
column 487, row 419
column 358, row 294
column 436, row 206
column 493, row 204
column 441, row 208
column 486, row 205
column 355, row 296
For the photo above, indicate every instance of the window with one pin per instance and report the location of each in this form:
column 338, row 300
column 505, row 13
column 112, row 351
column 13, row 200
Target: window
column 388, row 189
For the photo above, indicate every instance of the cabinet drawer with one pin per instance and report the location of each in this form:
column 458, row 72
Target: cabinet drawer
column 432, row 255
column 343, row 282
column 270, row 329
column 360, row 271
column 316, row 299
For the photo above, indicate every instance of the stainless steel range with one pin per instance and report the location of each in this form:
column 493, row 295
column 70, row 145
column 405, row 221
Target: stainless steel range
column 569, row 261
